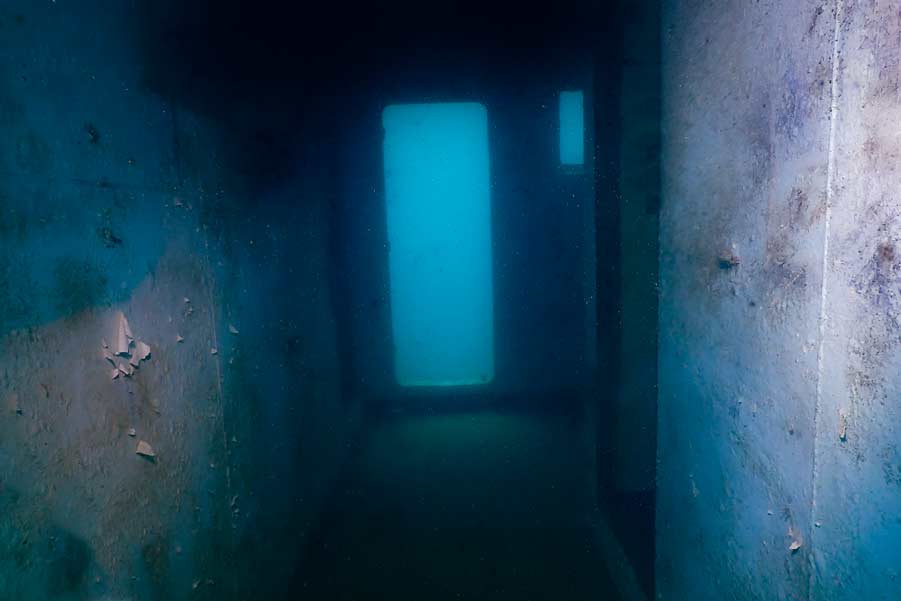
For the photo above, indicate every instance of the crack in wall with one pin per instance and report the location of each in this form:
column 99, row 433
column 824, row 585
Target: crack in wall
column 823, row 317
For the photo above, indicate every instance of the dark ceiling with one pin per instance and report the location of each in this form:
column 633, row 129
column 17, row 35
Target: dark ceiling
column 233, row 44
column 267, row 69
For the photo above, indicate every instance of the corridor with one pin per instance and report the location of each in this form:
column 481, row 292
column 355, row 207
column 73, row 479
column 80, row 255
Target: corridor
column 488, row 505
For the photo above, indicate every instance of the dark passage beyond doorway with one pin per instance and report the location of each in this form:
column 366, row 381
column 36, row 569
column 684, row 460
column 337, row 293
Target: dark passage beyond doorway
column 481, row 505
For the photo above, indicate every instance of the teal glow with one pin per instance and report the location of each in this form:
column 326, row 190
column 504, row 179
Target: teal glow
column 439, row 230
column 572, row 128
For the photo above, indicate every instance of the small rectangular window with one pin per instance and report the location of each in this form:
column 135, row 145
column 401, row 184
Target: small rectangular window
column 572, row 128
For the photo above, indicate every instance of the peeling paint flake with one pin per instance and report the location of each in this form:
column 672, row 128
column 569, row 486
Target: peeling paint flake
column 124, row 336
column 145, row 450
column 130, row 350
column 142, row 350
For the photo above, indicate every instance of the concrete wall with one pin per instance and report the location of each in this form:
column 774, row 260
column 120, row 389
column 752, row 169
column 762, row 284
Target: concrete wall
column 778, row 331
column 112, row 199
column 857, row 547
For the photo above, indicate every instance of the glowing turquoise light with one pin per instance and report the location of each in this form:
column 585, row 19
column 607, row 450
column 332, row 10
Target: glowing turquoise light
column 572, row 128
column 439, row 229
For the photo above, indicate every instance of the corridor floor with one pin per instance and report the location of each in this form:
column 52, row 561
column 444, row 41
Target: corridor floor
column 466, row 506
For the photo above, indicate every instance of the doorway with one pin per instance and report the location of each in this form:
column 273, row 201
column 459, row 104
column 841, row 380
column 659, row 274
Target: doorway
column 438, row 206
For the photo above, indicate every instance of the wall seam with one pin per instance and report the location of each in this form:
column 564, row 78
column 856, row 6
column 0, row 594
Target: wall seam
column 824, row 279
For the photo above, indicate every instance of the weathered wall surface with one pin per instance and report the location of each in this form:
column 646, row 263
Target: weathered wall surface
column 115, row 199
column 857, row 546
column 779, row 387
column 281, row 377
column 746, row 110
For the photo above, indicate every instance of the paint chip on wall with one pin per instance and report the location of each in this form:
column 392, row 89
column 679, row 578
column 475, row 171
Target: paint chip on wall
column 145, row 449
column 142, row 350
column 124, row 336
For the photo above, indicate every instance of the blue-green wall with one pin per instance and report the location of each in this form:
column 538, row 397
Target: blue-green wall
column 779, row 295
column 116, row 196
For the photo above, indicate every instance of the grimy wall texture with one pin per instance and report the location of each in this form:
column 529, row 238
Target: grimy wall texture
column 113, row 199
column 779, row 338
